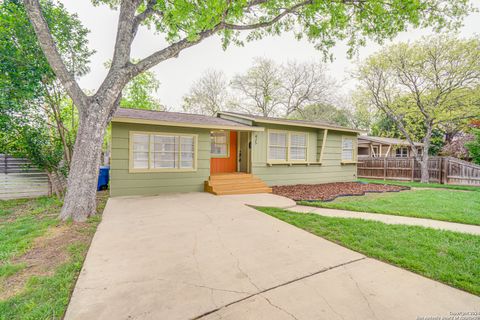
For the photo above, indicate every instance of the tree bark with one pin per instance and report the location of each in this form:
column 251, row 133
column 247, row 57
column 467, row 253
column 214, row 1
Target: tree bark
column 80, row 199
column 425, row 177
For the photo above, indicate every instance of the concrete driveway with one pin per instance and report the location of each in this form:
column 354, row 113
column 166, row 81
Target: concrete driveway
column 199, row 256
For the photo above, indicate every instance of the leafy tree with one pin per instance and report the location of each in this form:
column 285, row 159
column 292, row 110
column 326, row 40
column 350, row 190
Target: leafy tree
column 324, row 112
column 29, row 86
column 208, row 95
column 474, row 146
column 428, row 83
column 139, row 93
column 184, row 24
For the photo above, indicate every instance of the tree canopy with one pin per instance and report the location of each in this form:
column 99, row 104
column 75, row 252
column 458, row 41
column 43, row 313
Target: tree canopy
column 428, row 85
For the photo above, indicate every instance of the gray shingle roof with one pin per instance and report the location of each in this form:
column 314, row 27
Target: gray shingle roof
column 176, row 117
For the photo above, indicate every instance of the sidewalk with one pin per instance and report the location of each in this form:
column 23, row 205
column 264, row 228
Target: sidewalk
column 390, row 219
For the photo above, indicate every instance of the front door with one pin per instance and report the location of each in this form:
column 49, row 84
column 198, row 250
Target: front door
column 223, row 157
column 244, row 152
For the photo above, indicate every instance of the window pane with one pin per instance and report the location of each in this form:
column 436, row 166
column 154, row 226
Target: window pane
column 298, row 153
column 278, row 139
column 219, row 149
column 277, row 153
column 298, row 140
column 219, row 143
column 347, row 149
column 347, row 155
column 140, row 142
column 347, row 144
column 187, row 144
column 140, row 160
column 187, row 160
column 165, row 143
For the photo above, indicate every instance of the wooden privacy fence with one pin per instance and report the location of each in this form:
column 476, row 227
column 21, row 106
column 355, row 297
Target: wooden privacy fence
column 20, row 179
column 445, row 170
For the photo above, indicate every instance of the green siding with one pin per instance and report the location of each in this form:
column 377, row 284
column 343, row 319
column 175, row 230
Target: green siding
column 123, row 183
column 331, row 169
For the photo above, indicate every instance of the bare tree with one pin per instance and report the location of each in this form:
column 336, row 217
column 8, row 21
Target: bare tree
column 208, row 95
column 185, row 24
column 305, row 84
column 272, row 89
column 260, row 88
column 433, row 78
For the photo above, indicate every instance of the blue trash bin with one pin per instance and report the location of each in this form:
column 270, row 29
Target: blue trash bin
column 103, row 177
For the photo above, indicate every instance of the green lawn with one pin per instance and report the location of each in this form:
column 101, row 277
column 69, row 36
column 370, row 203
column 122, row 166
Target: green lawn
column 450, row 257
column 22, row 224
column 421, row 185
column 445, row 205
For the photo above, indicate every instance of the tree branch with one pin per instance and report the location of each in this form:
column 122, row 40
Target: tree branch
column 54, row 58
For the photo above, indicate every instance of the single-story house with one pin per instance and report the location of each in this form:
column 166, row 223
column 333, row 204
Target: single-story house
column 376, row 147
column 154, row 152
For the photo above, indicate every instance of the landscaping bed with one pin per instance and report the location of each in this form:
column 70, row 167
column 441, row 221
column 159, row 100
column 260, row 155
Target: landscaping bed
column 330, row 191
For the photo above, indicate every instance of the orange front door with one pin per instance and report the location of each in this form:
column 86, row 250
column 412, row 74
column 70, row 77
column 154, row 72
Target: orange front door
column 226, row 164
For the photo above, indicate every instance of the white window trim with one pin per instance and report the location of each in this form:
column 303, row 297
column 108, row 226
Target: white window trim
column 131, row 169
column 220, row 156
column 402, row 156
column 354, row 150
column 287, row 159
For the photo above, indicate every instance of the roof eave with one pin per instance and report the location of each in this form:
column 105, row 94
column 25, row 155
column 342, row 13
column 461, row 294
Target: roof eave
column 182, row 124
column 294, row 124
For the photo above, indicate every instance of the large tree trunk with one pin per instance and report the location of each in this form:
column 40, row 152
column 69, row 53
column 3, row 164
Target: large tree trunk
column 80, row 199
column 425, row 177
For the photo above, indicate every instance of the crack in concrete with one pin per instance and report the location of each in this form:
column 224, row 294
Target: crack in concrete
column 361, row 293
column 326, row 301
column 278, row 286
column 278, row 307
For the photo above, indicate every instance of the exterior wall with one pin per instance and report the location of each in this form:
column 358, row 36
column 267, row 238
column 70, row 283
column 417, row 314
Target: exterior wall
column 123, row 182
column 331, row 169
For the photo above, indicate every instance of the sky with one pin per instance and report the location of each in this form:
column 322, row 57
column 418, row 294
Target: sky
column 177, row 75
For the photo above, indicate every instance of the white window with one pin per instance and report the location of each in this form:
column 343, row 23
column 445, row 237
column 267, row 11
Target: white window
column 347, row 149
column 219, row 143
column 401, row 152
column 140, row 151
column 298, row 146
column 277, row 145
column 157, row 152
column 287, row 146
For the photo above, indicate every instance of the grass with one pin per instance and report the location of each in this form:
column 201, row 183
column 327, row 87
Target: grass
column 24, row 224
column 449, row 257
column 422, row 185
column 445, row 205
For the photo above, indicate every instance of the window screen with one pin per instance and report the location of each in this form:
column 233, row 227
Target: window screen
column 298, row 146
column 347, row 149
column 140, row 151
column 219, row 143
column 162, row 151
column 277, row 145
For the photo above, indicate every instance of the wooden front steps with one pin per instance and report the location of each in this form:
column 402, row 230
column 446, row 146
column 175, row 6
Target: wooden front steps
column 235, row 183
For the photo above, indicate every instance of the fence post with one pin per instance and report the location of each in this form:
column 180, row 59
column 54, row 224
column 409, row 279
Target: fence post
column 6, row 165
column 413, row 169
column 384, row 168
column 445, row 168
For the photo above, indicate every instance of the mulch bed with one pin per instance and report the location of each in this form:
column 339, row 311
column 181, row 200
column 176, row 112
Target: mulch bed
column 330, row 191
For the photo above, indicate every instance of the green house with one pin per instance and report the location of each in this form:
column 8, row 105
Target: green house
column 232, row 153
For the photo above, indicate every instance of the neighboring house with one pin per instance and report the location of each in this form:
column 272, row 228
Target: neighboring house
column 385, row 147
column 154, row 152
